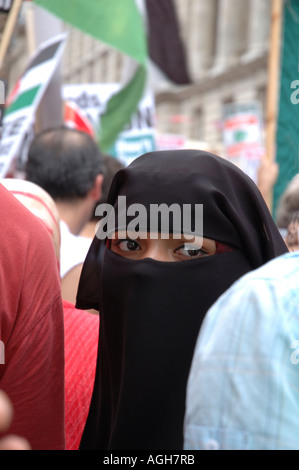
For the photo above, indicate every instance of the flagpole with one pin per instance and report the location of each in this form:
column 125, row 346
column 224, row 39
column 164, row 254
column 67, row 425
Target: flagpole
column 9, row 29
column 41, row 25
column 273, row 87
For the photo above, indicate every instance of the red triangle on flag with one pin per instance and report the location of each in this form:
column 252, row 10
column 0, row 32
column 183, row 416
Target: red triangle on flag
column 75, row 119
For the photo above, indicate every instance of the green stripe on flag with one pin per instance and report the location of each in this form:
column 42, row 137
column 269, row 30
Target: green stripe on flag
column 23, row 100
column 119, row 24
column 287, row 136
column 119, row 107
column 115, row 22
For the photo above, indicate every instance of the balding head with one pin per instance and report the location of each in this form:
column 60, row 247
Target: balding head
column 65, row 162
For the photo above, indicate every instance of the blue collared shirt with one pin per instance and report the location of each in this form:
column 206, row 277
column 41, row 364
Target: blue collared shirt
column 243, row 388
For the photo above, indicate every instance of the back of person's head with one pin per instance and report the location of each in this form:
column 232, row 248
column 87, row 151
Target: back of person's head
column 64, row 162
column 288, row 203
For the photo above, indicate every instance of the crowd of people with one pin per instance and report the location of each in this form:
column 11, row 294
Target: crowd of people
column 127, row 331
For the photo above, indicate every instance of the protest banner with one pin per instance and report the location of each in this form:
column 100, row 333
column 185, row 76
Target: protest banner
column 138, row 135
column 243, row 136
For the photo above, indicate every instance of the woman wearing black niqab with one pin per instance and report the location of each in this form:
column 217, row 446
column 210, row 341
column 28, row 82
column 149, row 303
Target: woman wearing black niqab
column 151, row 311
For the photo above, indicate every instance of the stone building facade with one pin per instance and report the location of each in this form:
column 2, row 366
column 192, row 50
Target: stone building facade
column 227, row 44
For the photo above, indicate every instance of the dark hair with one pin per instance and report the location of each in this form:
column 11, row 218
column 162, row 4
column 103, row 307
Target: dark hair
column 111, row 166
column 288, row 203
column 64, row 162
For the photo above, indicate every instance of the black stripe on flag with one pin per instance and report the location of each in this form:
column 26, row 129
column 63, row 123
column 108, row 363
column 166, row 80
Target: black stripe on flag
column 166, row 48
column 44, row 55
column 5, row 5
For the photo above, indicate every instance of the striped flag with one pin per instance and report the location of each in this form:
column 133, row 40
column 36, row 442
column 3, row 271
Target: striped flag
column 119, row 24
column 29, row 88
column 21, row 105
column 165, row 45
column 74, row 118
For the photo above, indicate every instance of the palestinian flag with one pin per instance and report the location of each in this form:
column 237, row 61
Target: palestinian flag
column 31, row 86
column 74, row 118
column 120, row 24
column 21, row 105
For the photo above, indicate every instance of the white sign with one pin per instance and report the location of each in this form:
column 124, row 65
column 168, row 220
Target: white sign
column 139, row 135
column 243, row 135
column 171, row 141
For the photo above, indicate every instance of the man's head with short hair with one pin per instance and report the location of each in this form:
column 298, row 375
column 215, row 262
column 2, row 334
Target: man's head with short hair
column 64, row 162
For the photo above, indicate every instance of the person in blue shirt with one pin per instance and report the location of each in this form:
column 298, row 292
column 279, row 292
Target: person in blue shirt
column 243, row 386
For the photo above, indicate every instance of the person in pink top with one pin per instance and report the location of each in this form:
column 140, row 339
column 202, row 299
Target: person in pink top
column 81, row 328
column 81, row 345
column 31, row 327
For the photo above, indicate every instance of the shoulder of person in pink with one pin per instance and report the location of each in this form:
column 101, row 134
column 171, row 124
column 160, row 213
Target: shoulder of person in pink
column 81, row 328
column 40, row 203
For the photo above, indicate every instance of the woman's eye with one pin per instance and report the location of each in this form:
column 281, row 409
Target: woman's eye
column 190, row 251
column 127, row 245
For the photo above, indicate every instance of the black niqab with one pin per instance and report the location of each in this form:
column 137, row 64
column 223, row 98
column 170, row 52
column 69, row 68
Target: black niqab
column 151, row 311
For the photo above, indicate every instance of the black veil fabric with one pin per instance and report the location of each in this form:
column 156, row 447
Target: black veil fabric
column 234, row 210
column 151, row 311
